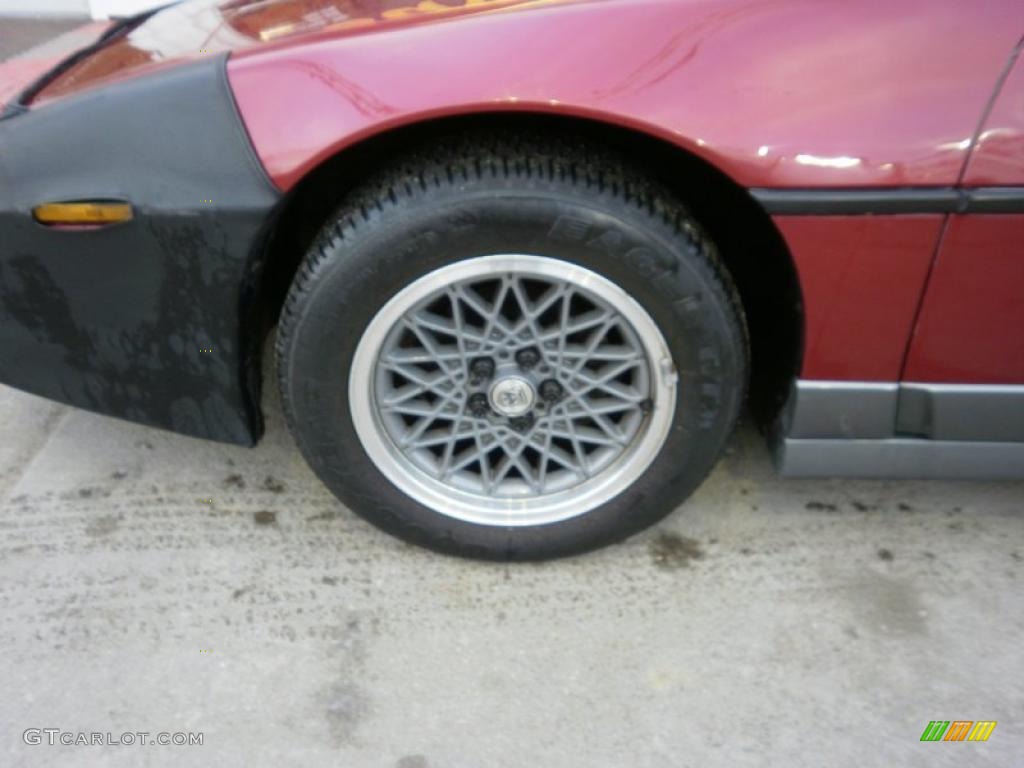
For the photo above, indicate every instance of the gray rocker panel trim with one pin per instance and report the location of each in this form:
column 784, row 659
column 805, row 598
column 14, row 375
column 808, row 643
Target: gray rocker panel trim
column 873, row 410
column 961, row 412
column 872, row 429
column 840, row 409
column 900, row 458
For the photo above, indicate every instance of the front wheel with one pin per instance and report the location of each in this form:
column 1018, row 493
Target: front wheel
column 512, row 351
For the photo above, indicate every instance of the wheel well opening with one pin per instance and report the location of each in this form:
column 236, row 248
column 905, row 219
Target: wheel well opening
column 748, row 242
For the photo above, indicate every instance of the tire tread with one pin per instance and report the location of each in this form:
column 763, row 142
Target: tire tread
column 464, row 158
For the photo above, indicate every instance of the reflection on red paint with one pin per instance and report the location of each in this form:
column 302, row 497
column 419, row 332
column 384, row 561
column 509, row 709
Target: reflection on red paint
column 201, row 27
column 22, row 70
column 998, row 159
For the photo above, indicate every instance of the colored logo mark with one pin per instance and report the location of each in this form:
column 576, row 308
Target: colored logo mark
column 958, row 730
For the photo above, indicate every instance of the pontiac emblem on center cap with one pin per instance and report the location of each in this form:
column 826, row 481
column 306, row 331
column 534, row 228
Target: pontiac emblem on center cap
column 512, row 396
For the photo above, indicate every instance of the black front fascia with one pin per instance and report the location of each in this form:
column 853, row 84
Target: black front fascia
column 142, row 320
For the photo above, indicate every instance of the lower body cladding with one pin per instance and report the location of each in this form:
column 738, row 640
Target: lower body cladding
column 143, row 319
column 867, row 429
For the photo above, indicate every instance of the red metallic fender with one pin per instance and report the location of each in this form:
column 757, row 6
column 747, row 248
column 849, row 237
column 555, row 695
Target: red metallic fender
column 774, row 93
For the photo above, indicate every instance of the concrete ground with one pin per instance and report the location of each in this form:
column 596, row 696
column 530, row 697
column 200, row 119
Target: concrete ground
column 152, row 582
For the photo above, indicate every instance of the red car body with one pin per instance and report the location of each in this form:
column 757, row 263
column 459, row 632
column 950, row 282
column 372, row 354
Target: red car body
column 886, row 141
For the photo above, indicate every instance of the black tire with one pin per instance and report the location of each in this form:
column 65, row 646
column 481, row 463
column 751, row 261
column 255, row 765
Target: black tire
column 471, row 195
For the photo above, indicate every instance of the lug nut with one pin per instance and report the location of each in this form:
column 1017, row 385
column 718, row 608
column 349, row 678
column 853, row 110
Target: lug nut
column 527, row 358
column 481, row 369
column 478, row 405
column 551, row 390
column 521, row 423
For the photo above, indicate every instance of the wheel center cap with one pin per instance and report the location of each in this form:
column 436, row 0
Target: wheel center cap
column 512, row 396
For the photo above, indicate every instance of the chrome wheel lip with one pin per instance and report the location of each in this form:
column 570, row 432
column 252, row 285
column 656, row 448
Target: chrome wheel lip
column 520, row 511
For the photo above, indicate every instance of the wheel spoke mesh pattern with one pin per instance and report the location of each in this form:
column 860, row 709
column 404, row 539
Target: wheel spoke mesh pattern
column 582, row 359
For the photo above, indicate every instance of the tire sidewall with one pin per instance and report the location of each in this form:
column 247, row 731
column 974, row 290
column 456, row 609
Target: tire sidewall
column 636, row 249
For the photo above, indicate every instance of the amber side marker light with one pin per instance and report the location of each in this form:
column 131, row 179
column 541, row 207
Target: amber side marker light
column 82, row 214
